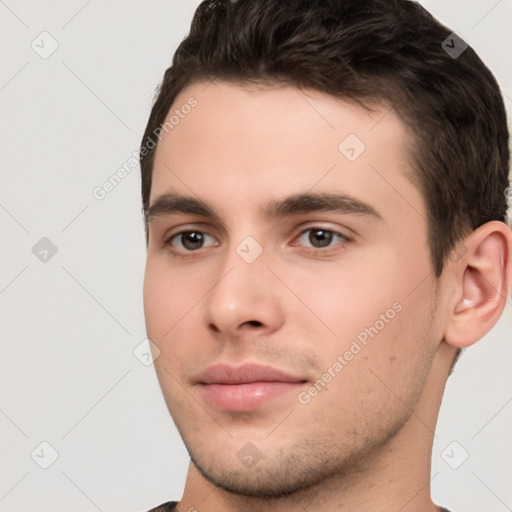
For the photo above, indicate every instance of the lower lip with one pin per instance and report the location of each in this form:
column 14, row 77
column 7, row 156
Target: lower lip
column 244, row 397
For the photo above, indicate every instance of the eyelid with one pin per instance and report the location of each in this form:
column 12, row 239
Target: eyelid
column 207, row 230
column 189, row 226
column 328, row 249
column 199, row 227
column 181, row 233
column 345, row 232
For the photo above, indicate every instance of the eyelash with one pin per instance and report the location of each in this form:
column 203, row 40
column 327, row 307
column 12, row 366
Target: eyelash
column 176, row 254
column 314, row 250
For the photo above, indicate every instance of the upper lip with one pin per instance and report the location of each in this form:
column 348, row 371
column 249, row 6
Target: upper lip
column 247, row 373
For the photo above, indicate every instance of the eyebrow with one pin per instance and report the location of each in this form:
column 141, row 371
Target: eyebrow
column 320, row 202
column 169, row 204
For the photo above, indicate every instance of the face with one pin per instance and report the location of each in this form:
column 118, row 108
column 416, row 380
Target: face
column 285, row 233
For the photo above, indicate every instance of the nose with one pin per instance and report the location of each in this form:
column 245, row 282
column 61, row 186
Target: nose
column 245, row 300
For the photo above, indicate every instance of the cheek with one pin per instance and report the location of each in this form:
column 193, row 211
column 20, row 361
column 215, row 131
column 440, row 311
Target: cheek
column 373, row 367
column 346, row 297
column 375, row 309
column 172, row 300
column 169, row 295
column 158, row 299
column 166, row 301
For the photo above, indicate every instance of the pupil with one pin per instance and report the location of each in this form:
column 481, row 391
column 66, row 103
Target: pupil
column 320, row 238
column 192, row 240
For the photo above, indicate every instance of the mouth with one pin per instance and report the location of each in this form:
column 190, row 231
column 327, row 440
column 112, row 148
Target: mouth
column 244, row 388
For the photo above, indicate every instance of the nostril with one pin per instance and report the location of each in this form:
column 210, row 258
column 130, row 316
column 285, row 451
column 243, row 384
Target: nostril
column 214, row 328
column 254, row 323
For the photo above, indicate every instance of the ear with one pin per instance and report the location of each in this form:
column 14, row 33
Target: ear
column 483, row 277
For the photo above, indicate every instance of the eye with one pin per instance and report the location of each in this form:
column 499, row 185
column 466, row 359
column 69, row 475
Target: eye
column 188, row 241
column 318, row 238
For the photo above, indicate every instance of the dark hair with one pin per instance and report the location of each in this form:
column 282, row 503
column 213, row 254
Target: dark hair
column 391, row 52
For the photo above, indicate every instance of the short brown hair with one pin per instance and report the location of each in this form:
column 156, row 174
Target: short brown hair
column 389, row 51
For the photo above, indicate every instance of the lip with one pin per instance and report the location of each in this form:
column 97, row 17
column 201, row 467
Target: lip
column 245, row 387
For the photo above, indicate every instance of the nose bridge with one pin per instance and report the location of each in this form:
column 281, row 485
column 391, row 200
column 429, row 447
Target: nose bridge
column 245, row 264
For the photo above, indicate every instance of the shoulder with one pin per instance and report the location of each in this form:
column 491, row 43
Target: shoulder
column 165, row 507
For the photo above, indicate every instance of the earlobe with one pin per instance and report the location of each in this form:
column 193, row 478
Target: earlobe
column 484, row 278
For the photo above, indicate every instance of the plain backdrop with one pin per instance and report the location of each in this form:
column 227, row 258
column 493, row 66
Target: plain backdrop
column 72, row 372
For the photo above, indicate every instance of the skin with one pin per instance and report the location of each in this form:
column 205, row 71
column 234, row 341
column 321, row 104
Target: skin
column 363, row 442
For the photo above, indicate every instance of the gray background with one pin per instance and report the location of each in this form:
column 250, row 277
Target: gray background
column 69, row 325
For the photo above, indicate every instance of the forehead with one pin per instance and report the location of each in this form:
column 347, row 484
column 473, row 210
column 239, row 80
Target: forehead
column 243, row 143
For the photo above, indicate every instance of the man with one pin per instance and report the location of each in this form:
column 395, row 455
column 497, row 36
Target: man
column 324, row 187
